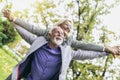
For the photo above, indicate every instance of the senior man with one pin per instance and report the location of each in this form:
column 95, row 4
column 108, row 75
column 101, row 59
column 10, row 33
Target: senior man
column 48, row 59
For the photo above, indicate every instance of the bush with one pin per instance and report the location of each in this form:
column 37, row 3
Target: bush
column 7, row 32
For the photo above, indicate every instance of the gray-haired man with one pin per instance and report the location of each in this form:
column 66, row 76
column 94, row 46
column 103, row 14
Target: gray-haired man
column 48, row 60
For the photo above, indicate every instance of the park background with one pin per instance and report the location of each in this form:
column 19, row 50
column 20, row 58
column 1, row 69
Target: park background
column 95, row 21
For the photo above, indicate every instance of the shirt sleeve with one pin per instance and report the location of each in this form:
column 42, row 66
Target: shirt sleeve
column 86, row 46
column 84, row 54
column 26, row 35
column 31, row 28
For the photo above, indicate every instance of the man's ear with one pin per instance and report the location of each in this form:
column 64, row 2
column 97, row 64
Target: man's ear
column 49, row 35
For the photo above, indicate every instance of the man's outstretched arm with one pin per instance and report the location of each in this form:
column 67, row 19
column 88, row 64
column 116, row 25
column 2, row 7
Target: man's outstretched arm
column 31, row 28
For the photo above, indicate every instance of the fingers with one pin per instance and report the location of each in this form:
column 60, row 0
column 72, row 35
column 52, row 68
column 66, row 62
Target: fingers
column 8, row 14
column 116, row 50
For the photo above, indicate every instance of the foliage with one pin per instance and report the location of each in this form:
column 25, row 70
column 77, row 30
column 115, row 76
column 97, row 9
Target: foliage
column 43, row 9
column 90, row 13
column 7, row 32
column 86, row 71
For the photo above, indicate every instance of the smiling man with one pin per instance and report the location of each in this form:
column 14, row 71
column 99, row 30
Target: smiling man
column 43, row 61
column 48, row 60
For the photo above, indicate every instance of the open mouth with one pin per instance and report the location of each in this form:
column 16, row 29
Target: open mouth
column 58, row 38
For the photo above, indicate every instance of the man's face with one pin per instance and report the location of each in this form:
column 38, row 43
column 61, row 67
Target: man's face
column 57, row 36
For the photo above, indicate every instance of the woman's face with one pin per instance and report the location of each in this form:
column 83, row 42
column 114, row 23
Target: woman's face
column 66, row 30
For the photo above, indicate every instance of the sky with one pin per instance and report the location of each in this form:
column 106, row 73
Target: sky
column 112, row 21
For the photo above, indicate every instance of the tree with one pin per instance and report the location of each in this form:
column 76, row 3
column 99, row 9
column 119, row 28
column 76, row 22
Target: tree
column 90, row 13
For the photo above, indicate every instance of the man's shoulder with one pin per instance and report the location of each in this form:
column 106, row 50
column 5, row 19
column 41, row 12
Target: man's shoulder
column 40, row 39
column 65, row 47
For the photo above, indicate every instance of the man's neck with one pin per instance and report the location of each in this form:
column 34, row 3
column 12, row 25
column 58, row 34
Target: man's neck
column 52, row 45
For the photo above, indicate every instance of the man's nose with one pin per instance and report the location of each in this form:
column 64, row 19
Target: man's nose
column 68, row 30
column 61, row 35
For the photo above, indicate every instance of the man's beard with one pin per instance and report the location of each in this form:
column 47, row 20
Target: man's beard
column 57, row 41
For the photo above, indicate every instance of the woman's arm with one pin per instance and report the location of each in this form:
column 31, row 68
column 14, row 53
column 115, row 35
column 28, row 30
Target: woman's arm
column 84, row 54
column 26, row 35
column 86, row 46
column 31, row 28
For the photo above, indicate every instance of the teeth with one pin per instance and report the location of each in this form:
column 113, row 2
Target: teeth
column 58, row 38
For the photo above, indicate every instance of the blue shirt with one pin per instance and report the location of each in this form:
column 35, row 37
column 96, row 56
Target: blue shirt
column 46, row 64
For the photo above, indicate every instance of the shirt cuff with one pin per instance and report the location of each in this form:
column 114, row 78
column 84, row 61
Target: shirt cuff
column 106, row 53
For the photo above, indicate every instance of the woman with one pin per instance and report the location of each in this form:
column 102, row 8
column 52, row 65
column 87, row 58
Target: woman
column 66, row 26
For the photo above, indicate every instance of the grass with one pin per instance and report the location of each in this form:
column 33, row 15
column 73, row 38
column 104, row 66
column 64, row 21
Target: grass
column 7, row 59
column 6, row 64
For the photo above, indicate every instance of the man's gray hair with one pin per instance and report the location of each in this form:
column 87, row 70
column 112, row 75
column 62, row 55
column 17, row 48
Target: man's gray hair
column 51, row 28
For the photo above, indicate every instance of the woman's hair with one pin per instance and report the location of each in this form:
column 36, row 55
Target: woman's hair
column 65, row 21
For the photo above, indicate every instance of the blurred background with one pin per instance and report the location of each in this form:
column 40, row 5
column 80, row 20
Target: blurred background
column 95, row 21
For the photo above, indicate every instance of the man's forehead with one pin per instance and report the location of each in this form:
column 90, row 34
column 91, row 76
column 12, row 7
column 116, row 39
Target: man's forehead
column 57, row 29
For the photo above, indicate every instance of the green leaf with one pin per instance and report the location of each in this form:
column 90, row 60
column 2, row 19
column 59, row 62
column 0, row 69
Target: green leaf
column 1, row 28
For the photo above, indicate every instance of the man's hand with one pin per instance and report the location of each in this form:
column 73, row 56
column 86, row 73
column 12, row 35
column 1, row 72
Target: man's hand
column 115, row 50
column 9, row 15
